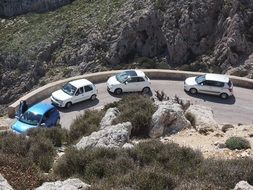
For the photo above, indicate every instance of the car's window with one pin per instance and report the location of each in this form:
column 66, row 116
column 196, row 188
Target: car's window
column 30, row 118
column 122, row 77
column 88, row 88
column 133, row 79
column 140, row 79
column 79, row 91
column 218, row 84
column 209, row 83
column 69, row 89
column 200, row 79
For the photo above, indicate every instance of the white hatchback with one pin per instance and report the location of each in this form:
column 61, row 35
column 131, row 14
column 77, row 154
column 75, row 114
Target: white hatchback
column 74, row 92
column 129, row 81
column 210, row 84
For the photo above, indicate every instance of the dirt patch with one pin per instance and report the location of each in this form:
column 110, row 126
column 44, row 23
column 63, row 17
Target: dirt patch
column 213, row 145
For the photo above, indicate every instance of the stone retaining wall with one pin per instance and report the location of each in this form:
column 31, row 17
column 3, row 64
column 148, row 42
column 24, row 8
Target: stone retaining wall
column 45, row 91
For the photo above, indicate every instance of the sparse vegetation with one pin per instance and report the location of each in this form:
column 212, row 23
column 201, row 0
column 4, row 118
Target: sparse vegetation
column 138, row 110
column 152, row 165
column 237, row 143
column 84, row 125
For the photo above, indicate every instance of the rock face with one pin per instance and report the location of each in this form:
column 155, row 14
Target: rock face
column 169, row 118
column 110, row 115
column 4, row 184
column 243, row 185
column 73, row 184
column 15, row 7
column 114, row 136
column 202, row 35
column 202, row 118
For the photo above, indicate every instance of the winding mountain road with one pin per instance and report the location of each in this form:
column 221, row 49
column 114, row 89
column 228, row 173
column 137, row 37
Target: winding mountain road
column 237, row 109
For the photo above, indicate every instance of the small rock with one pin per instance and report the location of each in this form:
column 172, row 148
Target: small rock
column 243, row 185
column 73, row 184
column 226, row 127
column 4, row 185
column 128, row 146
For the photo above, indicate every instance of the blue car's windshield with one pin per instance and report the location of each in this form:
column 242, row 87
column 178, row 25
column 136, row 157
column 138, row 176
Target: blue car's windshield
column 30, row 118
column 69, row 89
column 200, row 79
column 122, row 77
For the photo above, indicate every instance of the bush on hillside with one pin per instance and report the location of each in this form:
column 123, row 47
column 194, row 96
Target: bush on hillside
column 42, row 152
column 55, row 134
column 138, row 110
column 14, row 144
column 152, row 164
column 85, row 124
column 237, row 143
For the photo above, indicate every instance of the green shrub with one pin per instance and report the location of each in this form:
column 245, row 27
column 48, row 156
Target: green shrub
column 42, row 152
column 191, row 118
column 55, row 134
column 21, row 173
column 14, row 144
column 138, row 110
column 85, row 124
column 237, row 143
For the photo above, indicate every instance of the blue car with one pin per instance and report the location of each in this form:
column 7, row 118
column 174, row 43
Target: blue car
column 39, row 115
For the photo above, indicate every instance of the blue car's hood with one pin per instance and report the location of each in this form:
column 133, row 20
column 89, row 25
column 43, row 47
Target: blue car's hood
column 21, row 127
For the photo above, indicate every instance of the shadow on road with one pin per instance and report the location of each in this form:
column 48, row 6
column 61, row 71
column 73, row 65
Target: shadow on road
column 127, row 93
column 213, row 98
column 80, row 106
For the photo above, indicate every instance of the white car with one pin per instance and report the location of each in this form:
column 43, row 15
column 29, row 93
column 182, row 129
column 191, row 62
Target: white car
column 210, row 84
column 129, row 81
column 73, row 92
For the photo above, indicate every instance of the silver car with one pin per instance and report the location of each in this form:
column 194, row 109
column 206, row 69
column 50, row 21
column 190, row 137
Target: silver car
column 210, row 84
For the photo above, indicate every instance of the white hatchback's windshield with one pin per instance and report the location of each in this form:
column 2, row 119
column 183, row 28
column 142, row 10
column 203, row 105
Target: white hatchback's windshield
column 30, row 118
column 69, row 89
column 122, row 77
column 200, row 79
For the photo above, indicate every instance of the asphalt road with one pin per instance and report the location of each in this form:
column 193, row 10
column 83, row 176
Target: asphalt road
column 237, row 109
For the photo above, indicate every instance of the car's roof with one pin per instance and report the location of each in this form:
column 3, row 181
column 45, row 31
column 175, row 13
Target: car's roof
column 135, row 73
column 217, row 77
column 80, row 83
column 40, row 108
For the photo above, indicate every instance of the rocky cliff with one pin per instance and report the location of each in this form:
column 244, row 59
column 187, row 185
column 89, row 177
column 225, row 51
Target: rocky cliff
column 10, row 8
column 89, row 36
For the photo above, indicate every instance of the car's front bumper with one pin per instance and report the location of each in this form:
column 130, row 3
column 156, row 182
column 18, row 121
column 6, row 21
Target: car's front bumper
column 56, row 103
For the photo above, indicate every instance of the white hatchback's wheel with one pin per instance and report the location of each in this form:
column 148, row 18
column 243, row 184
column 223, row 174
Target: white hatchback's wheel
column 118, row 91
column 146, row 90
column 68, row 105
column 224, row 96
column 193, row 91
column 93, row 97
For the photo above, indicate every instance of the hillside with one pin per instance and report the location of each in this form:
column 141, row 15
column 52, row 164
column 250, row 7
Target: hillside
column 89, row 36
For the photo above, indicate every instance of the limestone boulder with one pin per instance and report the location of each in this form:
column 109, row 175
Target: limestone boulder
column 110, row 115
column 114, row 136
column 169, row 118
column 4, row 184
column 73, row 184
column 202, row 118
column 243, row 185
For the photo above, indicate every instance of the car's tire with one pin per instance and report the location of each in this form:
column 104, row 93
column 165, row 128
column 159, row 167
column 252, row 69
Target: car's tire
column 93, row 97
column 118, row 91
column 193, row 91
column 68, row 105
column 146, row 90
column 224, row 95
